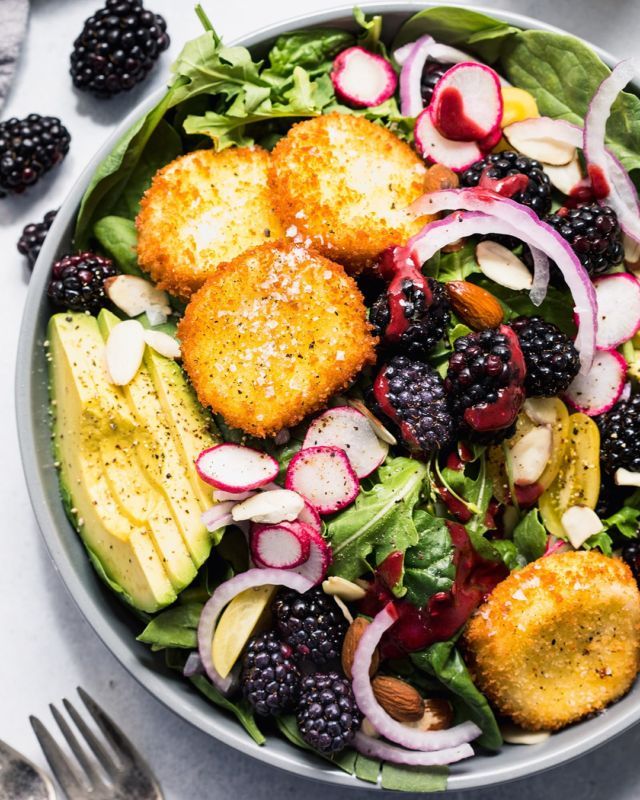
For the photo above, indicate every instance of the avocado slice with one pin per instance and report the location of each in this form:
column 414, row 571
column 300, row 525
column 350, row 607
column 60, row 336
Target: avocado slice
column 89, row 419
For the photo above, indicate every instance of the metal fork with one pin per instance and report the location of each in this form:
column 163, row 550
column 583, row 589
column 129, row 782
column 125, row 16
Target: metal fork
column 125, row 777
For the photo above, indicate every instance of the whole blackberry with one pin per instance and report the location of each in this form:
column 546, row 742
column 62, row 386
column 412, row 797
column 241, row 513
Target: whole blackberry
column 594, row 234
column 620, row 436
column 499, row 166
column 33, row 236
column 551, row 357
column 311, row 624
column 328, row 716
column 270, row 677
column 77, row 282
column 117, row 48
column 631, row 556
column 29, row 147
column 426, row 318
column 410, row 393
column 431, row 74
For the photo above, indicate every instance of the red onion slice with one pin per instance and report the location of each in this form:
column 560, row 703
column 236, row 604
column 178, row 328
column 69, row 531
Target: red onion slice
column 374, row 748
column 223, row 595
column 540, row 276
column 426, row 741
column 411, row 75
column 218, row 516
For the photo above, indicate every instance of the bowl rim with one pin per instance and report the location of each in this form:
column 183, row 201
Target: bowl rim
column 596, row 731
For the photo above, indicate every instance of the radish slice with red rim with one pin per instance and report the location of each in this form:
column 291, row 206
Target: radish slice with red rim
column 310, row 516
column 348, row 429
column 436, row 149
column 362, row 78
column 222, row 596
column 374, row 748
column 467, row 103
column 618, row 299
column 324, row 476
column 320, row 557
column 234, row 468
column 426, row 741
column 601, row 387
column 282, row 546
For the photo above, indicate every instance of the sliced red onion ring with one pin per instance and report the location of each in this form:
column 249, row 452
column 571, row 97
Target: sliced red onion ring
column 535, row 233
column 223, row 595
column 411, row 76
column 218, row 516
column 374, row 748
column 426, row 741
column 193, row 665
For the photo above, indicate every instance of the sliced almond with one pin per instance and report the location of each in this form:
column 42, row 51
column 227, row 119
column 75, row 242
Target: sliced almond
column 437, row 716
column 624, row 477
column 124, row 351
column 344, row 608
column 351, row 641
column 541, row 410
column 380, row 431
column 530, row 455
column 513, row 734
column 542, row 148
column 631, row 253
column 135, row 296
column 399, row 699
column 344, row 589
column 579, row 523
column 499, row 264
column 565, row 177
column 162, row 343
column 279, row 505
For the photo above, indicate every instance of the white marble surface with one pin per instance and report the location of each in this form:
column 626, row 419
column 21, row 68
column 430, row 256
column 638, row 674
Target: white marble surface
column 46, row 647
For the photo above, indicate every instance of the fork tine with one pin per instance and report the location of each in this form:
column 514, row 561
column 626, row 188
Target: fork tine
column 76, row 748
column 112, row 732
column 66, row 775
column 91, row 739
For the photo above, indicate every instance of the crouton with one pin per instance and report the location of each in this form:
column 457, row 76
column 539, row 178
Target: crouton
column 201, row 209
column 272, row 335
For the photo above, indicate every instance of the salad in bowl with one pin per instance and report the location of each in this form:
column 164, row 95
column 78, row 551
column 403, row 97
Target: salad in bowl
column 344, row 397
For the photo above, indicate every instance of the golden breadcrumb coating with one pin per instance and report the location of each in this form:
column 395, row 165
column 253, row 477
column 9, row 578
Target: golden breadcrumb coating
column 272, row 335
column 343, row 184
column 201, row 209
column 557, row 640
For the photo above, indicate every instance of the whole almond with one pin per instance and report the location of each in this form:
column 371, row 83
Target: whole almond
column 351, row 640
column 440, row 177
column 399, row 699
column 437, row 716
column 475, row 306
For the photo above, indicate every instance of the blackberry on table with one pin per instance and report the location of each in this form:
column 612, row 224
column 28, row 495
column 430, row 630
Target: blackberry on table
column 33, row 236
column 594, row 234
column 426, row 318
column 498, row 166
column 270, row 677
column 431, row 74
column 620, row 436
column 328, row 716
column 29, row 147
column 411, row 394
column 311, row 624
column 77, row 281
column 551, row 357
column 118, row 46
column 631, row 556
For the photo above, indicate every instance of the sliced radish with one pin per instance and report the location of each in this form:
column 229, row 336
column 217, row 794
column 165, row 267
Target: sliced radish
column 374, row 748
column 490, row 140
column 320, row 557
column 362, row 78
column 537, row 138
column 579, row 523
column 501, row 265
column 467, row 103
column 278, row 505
column 235, row 468
column 310, row 516
column 618, row 309
column 436, row 149
column 348, row 429
column 600, row 388
column 281, row 546
column 380, row 430
column 324, row 476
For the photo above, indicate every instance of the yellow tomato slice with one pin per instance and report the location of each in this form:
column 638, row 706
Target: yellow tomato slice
column 518, row 104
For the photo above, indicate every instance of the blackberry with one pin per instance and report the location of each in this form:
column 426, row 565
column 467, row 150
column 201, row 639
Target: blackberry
column 631, row 556
column 270, row 677
column 411, row 394
column 33, row 236
column 620, row 436
column 496, row 167
column 117, row 48
column 311, row 624
column 594, row 234
column 426, row 317
column 77, row 282
column 551, row 357
column 29, row 147
column 431, row 74
column 328, row 716
column 484, row 382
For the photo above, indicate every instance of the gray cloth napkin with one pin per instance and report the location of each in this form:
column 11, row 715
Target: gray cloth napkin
column 13, row 25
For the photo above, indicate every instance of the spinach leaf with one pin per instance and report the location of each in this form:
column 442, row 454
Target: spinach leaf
column 241, row 710
column 472, row 30
column 530, row 536
column 119, row 239
column 371, row 31
column 428, row 565
column 175, row 627
column 312, row 49
column 506, row 551
column 455, row 266
column 381, row 519
column 444, row 662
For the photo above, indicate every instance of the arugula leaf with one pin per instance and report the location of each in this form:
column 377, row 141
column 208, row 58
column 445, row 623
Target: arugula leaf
column 175, row 627
column 371, row 31
column 119, row 239
column 428, row 565
column 506, row 551
column 626, row 520
column 530, row 536
column 602, row 541
column 444, row 662
column 241, row 710
column 312, row 49
column 381, row 519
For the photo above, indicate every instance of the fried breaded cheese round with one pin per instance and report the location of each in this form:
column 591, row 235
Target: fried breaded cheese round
column 272, row 335
column 201, row 209
column 344, row 184
column 558, row 639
